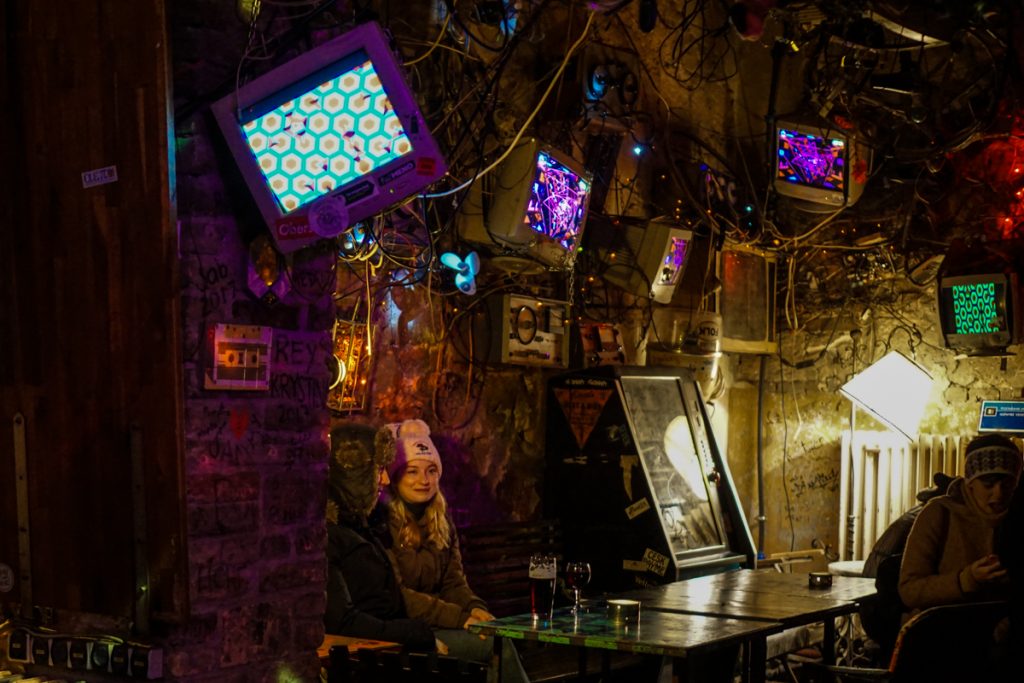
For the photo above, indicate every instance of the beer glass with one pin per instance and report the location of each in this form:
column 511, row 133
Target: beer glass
column 543, row 569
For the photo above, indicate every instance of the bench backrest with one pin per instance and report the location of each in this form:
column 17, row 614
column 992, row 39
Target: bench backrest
column 496, row 559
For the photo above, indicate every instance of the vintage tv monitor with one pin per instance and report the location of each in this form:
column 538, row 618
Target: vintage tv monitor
column 329, row 138
column 818, row 165
column 634, row 473
column 537, row 204
column 980, row 313
column 648, row 260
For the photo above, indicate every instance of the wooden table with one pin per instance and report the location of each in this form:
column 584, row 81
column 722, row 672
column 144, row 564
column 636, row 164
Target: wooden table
column 353, row 644
column 762, row 596
column 852, row 588
column 684, row 637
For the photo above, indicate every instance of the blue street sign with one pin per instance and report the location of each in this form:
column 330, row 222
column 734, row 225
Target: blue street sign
column 1002, row 416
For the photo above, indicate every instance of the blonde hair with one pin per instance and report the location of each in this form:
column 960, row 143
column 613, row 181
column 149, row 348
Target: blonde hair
column 439, row 531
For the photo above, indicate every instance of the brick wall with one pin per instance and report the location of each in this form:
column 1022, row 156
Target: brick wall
column 255, row 460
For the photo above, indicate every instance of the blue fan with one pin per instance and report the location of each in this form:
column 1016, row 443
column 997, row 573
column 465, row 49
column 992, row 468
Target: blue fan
column 465, row 270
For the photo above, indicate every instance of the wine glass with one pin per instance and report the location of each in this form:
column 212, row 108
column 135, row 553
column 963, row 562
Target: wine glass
column 577, row 575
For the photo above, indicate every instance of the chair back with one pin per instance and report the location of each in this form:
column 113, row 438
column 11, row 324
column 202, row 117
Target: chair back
column 881, row 615
column 391, row 666
column 948, row 643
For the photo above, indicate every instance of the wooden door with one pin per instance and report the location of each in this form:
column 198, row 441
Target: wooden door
column 89, row 326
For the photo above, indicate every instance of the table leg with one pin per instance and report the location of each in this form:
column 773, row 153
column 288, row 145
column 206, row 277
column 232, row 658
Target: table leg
column 606, row 665
column 495, row 673
column 583, row 664
column 681, row 669
column 758, row 660
column 828, row 645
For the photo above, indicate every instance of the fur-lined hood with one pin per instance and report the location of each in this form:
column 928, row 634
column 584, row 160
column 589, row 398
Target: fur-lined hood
column 358, row 453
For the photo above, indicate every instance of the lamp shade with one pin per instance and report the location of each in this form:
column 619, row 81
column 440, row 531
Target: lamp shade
column 894, row 390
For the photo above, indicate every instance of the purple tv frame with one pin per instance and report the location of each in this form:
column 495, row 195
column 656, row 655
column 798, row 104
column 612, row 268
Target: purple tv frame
column 359, row 198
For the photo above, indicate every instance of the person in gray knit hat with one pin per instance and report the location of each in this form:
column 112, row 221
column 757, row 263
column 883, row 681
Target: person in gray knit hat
column 950, row 556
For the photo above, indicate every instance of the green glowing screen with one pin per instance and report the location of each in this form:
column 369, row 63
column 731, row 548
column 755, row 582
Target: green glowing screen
column 976, row 308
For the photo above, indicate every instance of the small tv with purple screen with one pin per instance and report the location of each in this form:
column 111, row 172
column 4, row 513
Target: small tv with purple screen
column 818, row 165
column 539, row 203
column 329, row 138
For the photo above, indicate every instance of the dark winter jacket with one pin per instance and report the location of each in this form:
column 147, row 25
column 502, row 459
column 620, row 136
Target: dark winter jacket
column 364, row 598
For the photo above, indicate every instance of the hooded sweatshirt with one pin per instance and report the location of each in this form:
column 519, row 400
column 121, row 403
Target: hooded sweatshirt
column 948, row 535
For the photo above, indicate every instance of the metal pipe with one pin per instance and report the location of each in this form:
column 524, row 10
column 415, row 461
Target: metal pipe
column 760, row 456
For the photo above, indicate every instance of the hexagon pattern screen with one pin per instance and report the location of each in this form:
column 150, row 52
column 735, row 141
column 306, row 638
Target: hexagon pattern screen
column 327, row 136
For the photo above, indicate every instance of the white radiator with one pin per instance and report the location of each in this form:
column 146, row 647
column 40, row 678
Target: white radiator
column 879, row 477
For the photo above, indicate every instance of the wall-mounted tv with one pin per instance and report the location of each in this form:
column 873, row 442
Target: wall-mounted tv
column 979, row 314
column 329, row 138
column 819, row 165
column 536, row 204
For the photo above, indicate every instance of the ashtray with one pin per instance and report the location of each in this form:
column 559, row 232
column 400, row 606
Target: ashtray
column 819, row 580
column 623, row 611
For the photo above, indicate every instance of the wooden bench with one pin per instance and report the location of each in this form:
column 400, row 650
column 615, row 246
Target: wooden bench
column 496, row 559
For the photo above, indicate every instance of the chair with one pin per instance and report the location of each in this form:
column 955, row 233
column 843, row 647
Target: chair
column 946, row 643
column 340, row 669
column 496, row 560
column 387, row 666
column 881, row 615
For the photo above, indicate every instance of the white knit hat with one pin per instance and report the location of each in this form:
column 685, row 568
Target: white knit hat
column 412, row 442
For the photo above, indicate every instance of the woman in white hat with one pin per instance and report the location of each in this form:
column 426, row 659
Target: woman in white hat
column 424, row 543
column 425, row 549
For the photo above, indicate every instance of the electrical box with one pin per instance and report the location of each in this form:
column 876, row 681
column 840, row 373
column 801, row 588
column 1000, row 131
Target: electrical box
column 527, row 330
column 747, row 300
column 239, row 358
column 599, row 344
